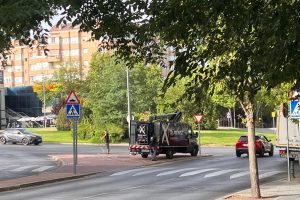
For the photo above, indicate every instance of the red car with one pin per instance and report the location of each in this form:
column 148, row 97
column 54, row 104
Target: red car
column 262, row 145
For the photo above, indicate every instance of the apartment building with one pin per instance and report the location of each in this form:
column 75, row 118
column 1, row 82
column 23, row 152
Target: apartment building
column 66, row 45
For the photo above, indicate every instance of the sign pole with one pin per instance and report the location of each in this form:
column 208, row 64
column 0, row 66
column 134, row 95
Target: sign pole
column 73, row 113
column 199, row 139
column 198, row 118
column 74, row 147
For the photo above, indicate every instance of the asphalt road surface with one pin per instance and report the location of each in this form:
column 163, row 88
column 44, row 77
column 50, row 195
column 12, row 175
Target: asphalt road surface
column 207, row 178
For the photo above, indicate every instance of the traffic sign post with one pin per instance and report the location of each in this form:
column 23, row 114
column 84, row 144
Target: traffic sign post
column 73, row 113
column 198, row 118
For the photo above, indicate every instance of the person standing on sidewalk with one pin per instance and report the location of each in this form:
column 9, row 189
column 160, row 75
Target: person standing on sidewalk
column 106, row 140
column 153, row 148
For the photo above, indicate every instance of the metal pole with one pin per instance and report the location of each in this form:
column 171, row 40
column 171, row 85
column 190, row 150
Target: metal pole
column 44, row 103
column 288, row 147
column 128, row 101
column 74, row 147
column 76, row 142
column 199, row 139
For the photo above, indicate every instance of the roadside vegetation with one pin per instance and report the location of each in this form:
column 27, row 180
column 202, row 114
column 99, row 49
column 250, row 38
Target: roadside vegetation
column 219, row 137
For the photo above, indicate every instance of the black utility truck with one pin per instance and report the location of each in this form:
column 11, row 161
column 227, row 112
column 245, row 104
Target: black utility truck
column 171, row 136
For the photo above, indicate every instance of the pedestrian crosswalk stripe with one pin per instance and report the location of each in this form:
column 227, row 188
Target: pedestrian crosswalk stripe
column 150, row 171
column 127, row 172
column 200, row 171
column 218, row 173
column 210, row 172
column 237, row 175
column 23, row 168
column 41, row 169
column 174, row 171
column 268, row 174
column 8, row 167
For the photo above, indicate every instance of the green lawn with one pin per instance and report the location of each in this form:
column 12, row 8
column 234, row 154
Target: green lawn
column 226, row 137
column 220, row 137
column 52, row 135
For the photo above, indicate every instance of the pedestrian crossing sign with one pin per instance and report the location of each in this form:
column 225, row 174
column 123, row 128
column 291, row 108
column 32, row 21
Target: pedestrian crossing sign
column 295, row 109
column 73, row 111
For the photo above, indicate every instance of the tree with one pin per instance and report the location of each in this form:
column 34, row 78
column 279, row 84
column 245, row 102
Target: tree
column 242, row 44
column 106, row 82
column 57, row 88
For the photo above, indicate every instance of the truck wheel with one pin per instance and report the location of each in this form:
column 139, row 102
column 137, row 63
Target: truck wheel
column 238, row 154
column 144, row 155
column 194, row 151
column 272, row 151
column 169, row 154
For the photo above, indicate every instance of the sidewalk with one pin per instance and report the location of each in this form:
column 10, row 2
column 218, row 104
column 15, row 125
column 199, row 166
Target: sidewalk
column 99, row 163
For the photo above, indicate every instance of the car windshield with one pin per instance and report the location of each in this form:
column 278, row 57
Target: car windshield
column 245, row 138
column 25, row 131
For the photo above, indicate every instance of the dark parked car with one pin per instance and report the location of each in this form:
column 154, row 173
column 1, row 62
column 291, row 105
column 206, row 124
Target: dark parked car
column 262, row 145
column 19, row 135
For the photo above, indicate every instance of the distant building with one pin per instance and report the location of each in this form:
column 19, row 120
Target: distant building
column 66, row 44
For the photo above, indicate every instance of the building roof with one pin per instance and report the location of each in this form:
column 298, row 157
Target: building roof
column 64, row 27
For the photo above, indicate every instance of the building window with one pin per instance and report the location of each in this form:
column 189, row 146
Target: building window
column 85, row 50
column 65, row 40
column 7, row 79
column 74, row 40
column 8, row 69
column 40, row 66
column 19, row 80
column 66, row 53
column 18, row 68
column 53, row 40
column 86, row 63
column 75, row 52
column 18, row 56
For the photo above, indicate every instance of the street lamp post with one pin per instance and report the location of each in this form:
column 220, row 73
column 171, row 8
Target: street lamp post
column 44, row 101
column 128, row 101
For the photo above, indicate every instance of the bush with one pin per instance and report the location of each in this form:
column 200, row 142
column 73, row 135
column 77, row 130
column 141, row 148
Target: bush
column 94, row 132
column 62, row 123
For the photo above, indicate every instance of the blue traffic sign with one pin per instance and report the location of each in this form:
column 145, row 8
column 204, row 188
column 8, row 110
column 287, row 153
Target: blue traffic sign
column 295, row 109
column 73, row 111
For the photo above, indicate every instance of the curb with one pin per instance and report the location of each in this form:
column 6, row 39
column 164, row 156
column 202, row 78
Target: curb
column 43, row 182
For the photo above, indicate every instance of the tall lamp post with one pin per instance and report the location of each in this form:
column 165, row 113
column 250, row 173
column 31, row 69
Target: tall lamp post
column 44, row 101
column 128, row 101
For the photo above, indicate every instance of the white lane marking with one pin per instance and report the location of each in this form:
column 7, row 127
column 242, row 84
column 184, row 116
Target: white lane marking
column 174, row 171
column 150, row 171
column 268, row 174
column 218, row 173
column 41, row 169
column 8, row 167
column 200, row 171
column 237, row 175
column 23, row 168
column 128, row 171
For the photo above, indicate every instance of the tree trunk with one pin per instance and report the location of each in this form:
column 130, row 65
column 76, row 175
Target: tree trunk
column 248, row 108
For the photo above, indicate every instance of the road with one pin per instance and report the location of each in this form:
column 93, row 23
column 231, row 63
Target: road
column 207, row 178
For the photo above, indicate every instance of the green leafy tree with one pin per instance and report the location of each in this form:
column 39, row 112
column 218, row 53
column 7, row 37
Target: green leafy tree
column 56, row 89
column 62, row 123
column 107, row 88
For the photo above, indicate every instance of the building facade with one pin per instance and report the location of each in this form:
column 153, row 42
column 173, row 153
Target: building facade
column 66, row 45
